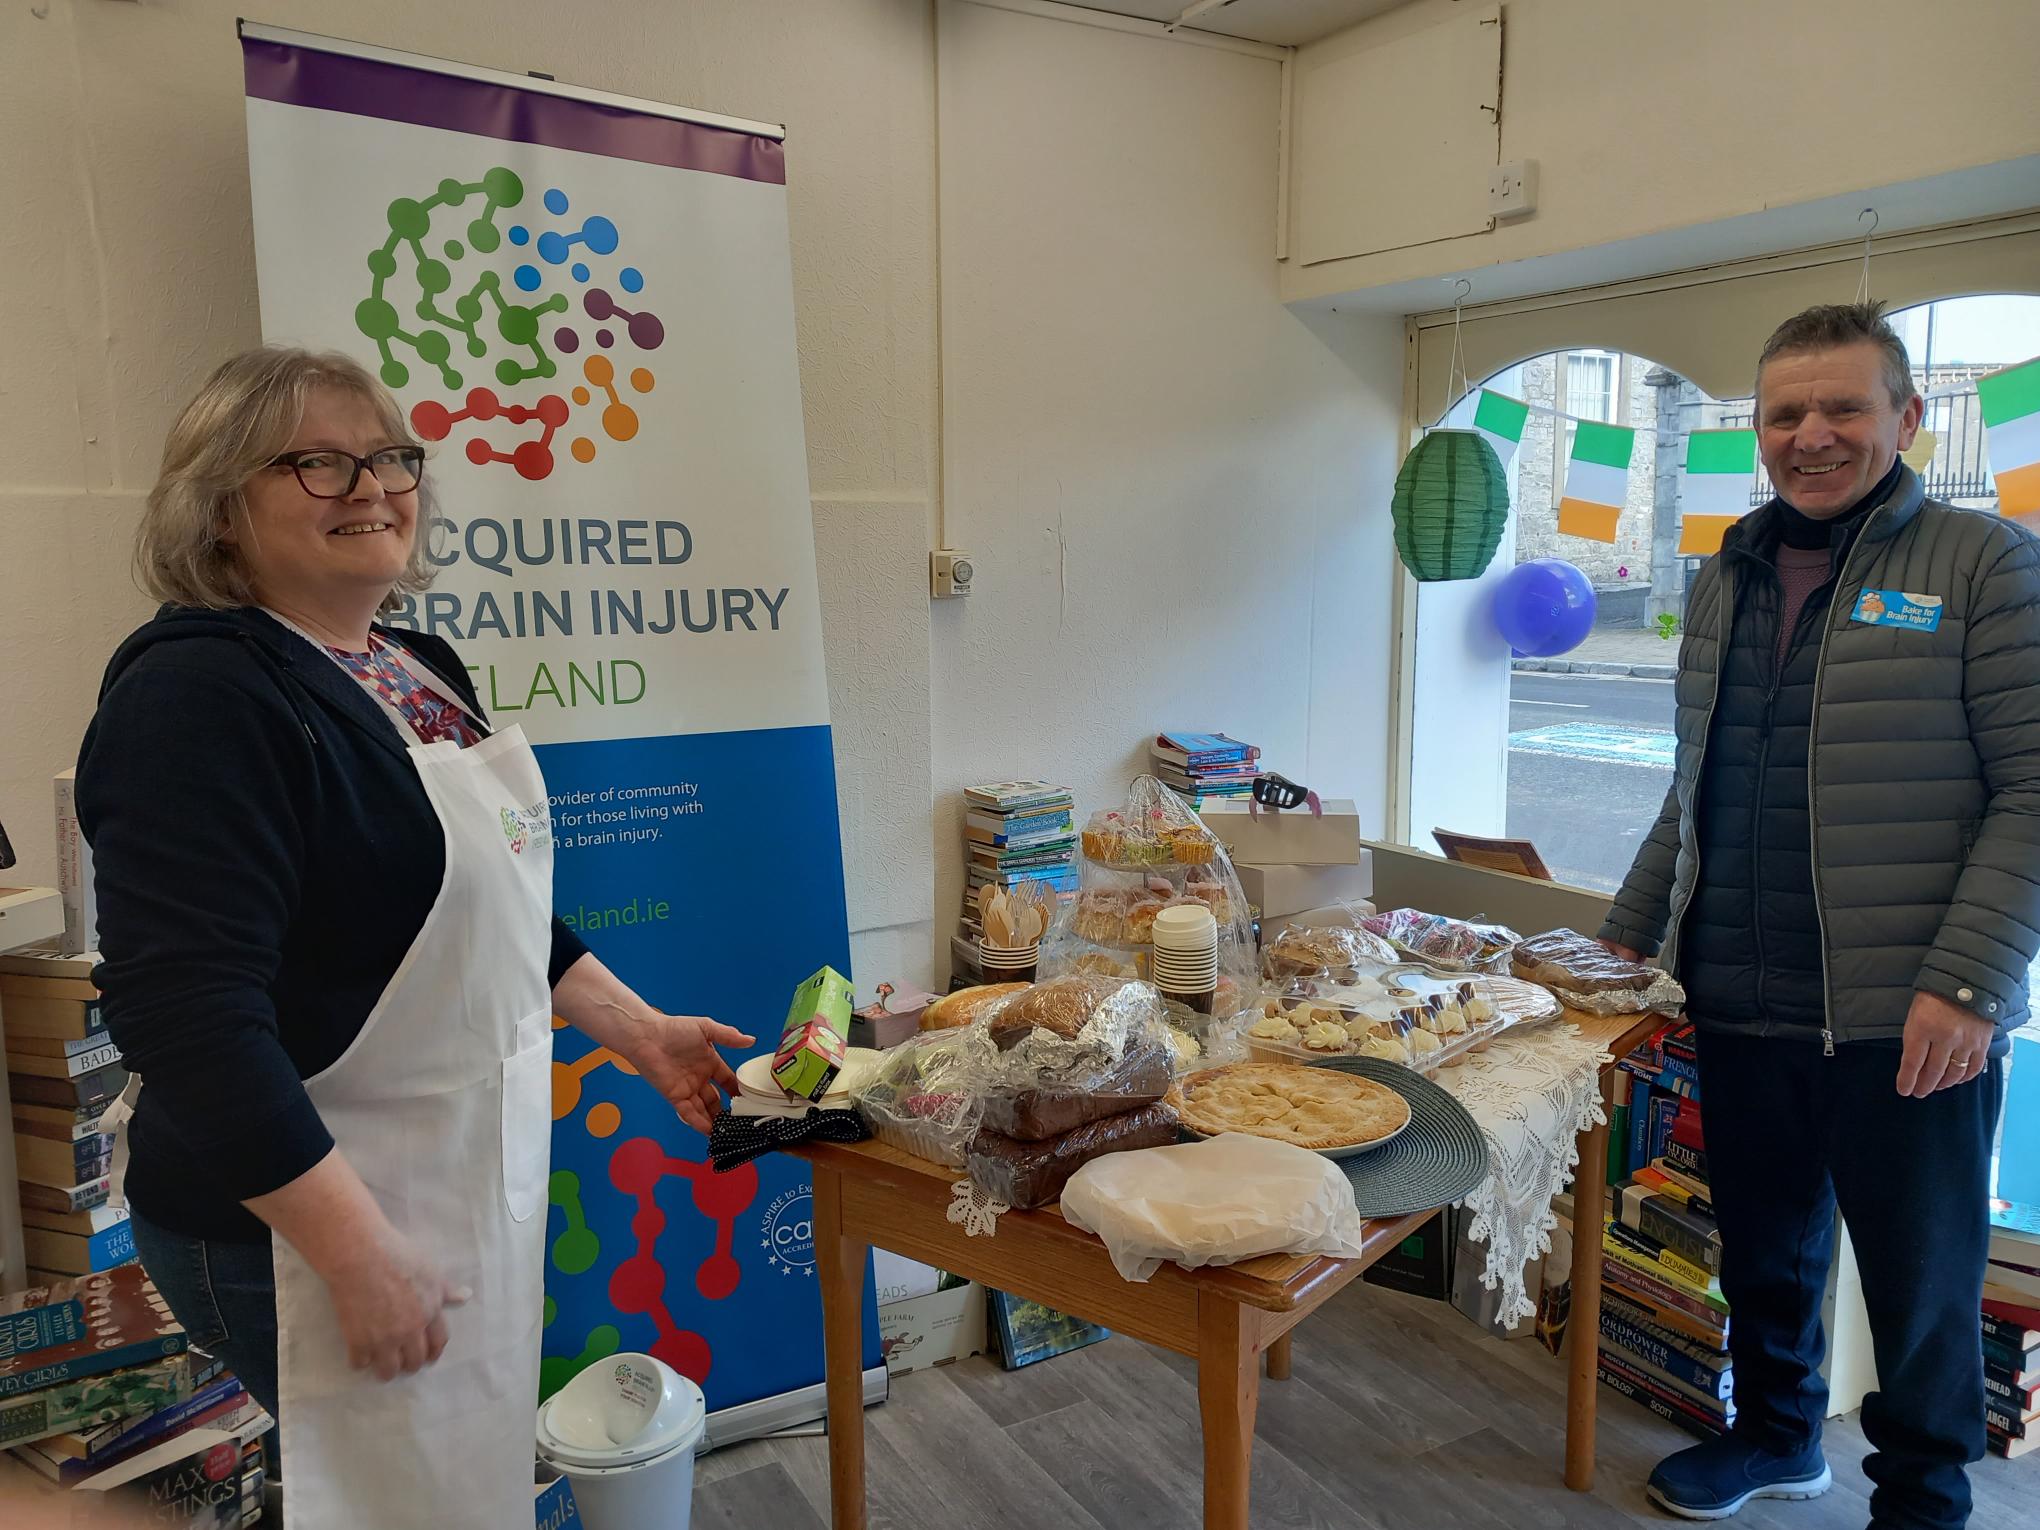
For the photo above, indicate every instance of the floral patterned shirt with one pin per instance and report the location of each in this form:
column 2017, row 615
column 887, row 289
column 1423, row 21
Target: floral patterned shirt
column 431, row 716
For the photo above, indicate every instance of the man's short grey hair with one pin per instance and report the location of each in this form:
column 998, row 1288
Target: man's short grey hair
column 1829, row 325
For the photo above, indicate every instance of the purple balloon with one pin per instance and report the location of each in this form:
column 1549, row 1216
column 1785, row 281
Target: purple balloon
column 1543, row 608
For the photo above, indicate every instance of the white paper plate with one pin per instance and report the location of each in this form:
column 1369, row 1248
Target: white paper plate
column 754, row 1077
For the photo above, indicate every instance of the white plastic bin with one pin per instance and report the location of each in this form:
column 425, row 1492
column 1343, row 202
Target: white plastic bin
column 624, row 1433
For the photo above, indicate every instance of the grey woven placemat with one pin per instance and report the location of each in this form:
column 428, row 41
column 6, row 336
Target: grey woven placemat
column 1437, row 1159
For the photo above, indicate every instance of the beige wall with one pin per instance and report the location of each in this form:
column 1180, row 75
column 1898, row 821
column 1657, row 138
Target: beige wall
column 1176, row 490
column 1646, row 117
column 1117, row 363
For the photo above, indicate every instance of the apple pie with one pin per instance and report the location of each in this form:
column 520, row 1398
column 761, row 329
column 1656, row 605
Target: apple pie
column 1317, row 1108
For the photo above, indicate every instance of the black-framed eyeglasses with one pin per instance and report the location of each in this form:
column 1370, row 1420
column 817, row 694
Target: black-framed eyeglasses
column 326, row 472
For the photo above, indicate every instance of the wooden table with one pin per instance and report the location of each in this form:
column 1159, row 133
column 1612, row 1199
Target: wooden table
column 867, row 1194
column 1224, row 1317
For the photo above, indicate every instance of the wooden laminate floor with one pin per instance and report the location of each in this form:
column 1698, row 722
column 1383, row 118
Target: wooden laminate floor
column 1400, row 1415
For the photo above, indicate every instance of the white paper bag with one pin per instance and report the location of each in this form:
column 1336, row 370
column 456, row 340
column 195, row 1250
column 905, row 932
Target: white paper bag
column 1217, row 1202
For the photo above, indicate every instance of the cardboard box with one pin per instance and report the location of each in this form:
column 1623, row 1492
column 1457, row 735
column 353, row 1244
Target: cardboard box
column 936, row 1329
column 1281, row 891
column 1296, row 837
column 812, row 1040
column 896, row 1278
column 891, row 1019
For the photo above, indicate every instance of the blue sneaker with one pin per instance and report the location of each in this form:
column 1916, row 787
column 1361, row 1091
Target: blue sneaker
column 1714, row 1480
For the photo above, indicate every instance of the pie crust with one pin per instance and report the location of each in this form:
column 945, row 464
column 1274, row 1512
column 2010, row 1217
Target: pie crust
column 1316, row 1108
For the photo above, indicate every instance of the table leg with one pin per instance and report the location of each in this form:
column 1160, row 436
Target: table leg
column 840, row 1260
column 1228, row 1389
column 1278, row 1357
column 1583, row 1324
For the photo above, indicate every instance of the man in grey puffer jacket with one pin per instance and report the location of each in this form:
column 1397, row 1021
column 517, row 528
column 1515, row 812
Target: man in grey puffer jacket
column 1846, row 877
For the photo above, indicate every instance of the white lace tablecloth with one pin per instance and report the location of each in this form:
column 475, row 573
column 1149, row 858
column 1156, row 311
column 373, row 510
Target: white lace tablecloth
column 1532, row 1092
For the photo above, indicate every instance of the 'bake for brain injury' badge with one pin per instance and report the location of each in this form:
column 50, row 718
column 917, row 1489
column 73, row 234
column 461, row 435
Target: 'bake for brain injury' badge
column 1897, row 608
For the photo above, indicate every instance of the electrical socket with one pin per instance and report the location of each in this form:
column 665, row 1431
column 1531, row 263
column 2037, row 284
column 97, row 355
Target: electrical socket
column 1512, row 189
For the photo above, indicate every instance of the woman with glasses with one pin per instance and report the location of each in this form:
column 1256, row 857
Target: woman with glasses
column 325, row 899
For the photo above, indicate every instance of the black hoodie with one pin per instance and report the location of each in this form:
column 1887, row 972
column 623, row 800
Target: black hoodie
column 264, row 855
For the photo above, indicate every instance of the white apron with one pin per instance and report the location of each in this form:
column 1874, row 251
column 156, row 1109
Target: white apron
column 443, row 1106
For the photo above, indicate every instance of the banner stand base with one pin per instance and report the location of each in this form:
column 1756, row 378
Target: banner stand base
column 788, row 1410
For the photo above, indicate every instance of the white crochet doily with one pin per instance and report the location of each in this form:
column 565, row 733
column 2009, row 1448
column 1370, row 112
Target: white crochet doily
column 974, row 1211
column 1532, row 1092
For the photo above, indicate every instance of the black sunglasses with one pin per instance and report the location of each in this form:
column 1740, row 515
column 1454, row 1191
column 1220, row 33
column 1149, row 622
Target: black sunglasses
column 326, row 472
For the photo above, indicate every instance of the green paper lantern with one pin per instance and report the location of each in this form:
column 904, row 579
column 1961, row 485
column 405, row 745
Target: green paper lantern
column 1451, row 502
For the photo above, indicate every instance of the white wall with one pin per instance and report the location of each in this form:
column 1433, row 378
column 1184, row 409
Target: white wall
column 126, row 272
column 1647, row 117
column 1118, row 370
column 1176, row 492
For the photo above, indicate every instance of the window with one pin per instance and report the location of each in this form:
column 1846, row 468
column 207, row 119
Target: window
column 1590, row 384
column 1577, row 756
column 1578, row 763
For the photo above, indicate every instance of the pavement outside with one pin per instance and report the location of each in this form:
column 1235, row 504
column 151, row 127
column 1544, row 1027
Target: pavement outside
column 1614, row 650
column 1590, row 761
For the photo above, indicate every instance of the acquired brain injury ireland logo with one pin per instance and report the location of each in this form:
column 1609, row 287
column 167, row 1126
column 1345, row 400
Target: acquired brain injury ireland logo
column 451, row 306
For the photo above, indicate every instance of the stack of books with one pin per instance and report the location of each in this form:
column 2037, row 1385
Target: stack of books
column 99, row 1390
column 1015, row 833
column 2011, row 1330
column 1664, row 1324
column 62, row 1073
column 1205, row 766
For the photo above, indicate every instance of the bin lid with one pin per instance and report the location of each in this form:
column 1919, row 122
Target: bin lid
column 629, row 1407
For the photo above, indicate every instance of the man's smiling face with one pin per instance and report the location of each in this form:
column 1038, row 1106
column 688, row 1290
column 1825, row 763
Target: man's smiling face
column 1828, row 428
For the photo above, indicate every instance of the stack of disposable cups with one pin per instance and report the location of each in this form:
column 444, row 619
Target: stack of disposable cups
column 1009, row 964
column 1185, row 961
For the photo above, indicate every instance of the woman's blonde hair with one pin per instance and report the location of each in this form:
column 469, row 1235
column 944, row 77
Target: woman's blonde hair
column 242, row 419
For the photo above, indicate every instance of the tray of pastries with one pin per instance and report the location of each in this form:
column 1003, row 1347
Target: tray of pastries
column 1422, row 1020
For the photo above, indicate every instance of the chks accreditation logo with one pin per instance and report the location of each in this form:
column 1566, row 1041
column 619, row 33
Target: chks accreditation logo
column 789, row 1232
column 515, row 305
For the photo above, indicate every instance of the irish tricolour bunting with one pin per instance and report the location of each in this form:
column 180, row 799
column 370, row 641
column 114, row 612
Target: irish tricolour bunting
column 2011, row 414
column 1597, row 482
column 1500, row 420
column 1714, row 488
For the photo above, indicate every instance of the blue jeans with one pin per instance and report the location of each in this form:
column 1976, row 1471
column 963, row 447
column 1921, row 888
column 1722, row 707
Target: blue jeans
column 224, row 1294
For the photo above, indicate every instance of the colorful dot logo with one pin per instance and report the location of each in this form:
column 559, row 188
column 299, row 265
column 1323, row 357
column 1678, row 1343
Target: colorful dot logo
column 505, row 324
